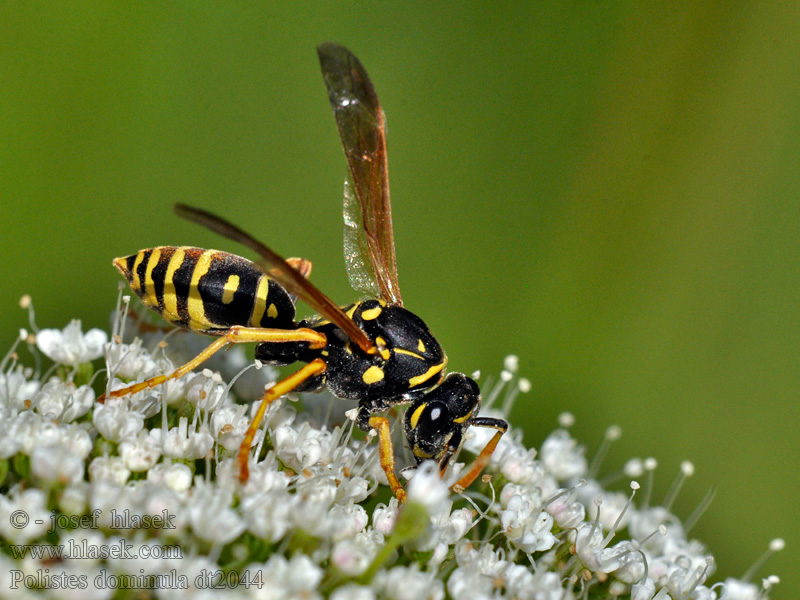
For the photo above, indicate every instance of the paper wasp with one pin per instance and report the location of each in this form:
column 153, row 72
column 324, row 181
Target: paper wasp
column 374, row 351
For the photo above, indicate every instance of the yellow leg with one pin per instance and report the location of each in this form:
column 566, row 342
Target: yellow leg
column 284, row 386
column 235, row 335
column 479, row 465
column 381, row 425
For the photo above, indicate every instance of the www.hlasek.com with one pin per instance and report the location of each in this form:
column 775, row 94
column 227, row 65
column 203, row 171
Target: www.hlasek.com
column 83, row 550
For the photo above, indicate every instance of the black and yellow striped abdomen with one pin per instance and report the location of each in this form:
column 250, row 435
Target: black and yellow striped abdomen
column 208, row 291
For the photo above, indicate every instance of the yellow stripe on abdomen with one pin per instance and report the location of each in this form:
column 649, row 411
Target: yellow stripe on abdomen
column 260, row 304
column 136, row 284
column 170, row 312
column 197, row 313
column 149, row 292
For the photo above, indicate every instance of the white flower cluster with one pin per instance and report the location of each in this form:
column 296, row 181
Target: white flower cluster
column 141, row 492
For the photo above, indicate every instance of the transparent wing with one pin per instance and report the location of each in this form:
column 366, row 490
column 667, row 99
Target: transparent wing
column 362, row 129
column 282, row 272
column 356, row 253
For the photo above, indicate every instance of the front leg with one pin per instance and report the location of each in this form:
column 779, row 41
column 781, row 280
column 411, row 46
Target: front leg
column 367, row 422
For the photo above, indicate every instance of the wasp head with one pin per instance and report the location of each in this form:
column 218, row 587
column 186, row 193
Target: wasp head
column 435, row 424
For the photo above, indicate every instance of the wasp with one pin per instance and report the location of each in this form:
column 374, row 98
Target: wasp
column 374, row 351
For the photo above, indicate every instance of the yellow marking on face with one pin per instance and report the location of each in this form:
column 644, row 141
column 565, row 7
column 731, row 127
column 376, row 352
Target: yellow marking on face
column 351, row 311
column 272, row 312
column 260, row 305
column 420, row 453
column 421, row 346
column 415, row 381
column 197, row 313
column 416, row 415
column 408, row 353
column 170, row 298
column 324, row 353
column 230, row 289
column 149, row 284
column 371, row 313
column 372, row 375
column 136, row 284
column 463, row 419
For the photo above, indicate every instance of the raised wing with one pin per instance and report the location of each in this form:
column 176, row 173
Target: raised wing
column 362, row 128
column 282, row 272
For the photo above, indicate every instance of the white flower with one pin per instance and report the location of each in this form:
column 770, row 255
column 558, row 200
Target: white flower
column 61, row 400
column 16, row 388
column 109, row 468
column 298, row 448
column 562, row 456
column 409, row 583
column 353, row 555
column 57, row 464
column 115, row 421
column 130, row 361
column 180, row 442
column 351, row 591
column 347, row 520
column 24, row 515
column 70, row 346
column 229, row 425
column 567, row 514
column 294, row 578
column 354, row 489
column 469, row 584
column 529, row 529
column 740, row 590
column 140, row 452
column 211, row 515
column 177, row 477
column 427, row 488
column 269, row 515
column 204, row 390
column 453, row 528
column 384, row 517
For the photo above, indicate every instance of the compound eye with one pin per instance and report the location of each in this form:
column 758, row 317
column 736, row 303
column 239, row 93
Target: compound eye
column 435, row 419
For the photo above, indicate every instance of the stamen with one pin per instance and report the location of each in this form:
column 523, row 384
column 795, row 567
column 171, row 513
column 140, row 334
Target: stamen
column 612, row 532
column 699, row 511
column 700, row 578
column 775, row 546
column 687, row 470
column 26, row 303
column 566, row 420
column 612, row 434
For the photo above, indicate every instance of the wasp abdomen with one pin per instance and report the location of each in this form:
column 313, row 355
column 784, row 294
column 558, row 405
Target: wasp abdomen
column 208, row 291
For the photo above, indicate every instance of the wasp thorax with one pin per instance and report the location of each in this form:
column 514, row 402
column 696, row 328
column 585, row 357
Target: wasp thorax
column 398, row 329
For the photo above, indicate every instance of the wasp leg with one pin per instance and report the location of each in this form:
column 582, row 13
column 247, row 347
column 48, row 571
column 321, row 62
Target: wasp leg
column 284, row 386
column 483, row 458
column 235, row 335
column 386, row 452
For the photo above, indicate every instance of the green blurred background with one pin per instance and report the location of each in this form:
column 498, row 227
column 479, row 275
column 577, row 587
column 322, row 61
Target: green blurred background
column 608, row 190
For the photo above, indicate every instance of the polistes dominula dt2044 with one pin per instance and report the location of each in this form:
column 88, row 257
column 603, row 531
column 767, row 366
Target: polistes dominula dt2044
column 374, row 351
